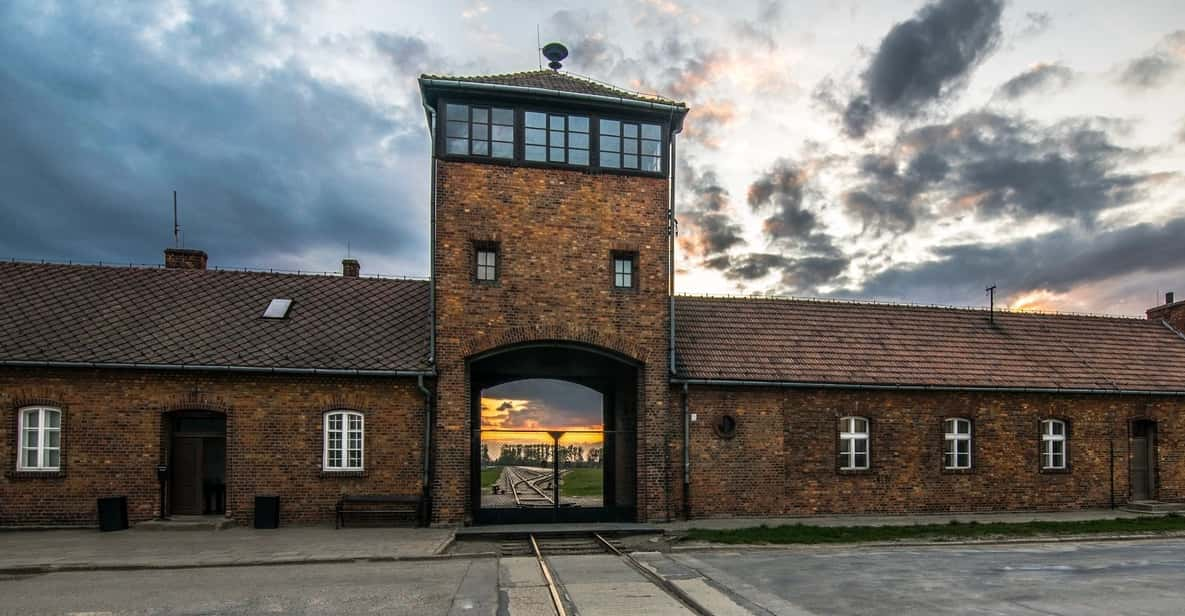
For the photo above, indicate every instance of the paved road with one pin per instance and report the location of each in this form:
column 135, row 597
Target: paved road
column 1140, row 577
column 1146, row 577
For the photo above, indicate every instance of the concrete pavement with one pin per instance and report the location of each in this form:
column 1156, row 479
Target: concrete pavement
column 89, row 549
column 903, row 520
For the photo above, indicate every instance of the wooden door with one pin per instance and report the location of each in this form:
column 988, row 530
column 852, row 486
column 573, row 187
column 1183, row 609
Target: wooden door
column 1139, row 468
column 187, row 476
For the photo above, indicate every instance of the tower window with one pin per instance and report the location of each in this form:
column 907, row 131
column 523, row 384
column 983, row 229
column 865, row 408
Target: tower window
column 479, row 131
column 486, row 261
column 624, row 266
column 630, row 145
column 555, row 138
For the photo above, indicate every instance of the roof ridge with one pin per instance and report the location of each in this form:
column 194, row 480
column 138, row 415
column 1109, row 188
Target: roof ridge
column 221, row 269
column 891, row 304
column 621, row 91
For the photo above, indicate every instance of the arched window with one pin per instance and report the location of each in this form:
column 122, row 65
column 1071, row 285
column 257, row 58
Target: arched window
column 957, row 452
column 343, row 441
column 40, row 435
column 853, row 443
column 1053, row 444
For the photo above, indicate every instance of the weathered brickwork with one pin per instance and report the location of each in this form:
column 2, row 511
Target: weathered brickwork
column 113, row 431
column 784, row 457
column 1173, row 314
column 557, row 229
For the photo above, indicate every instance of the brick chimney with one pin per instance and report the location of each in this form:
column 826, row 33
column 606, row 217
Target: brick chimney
column 185, row 258
column 351, row 268
column 1171, row 312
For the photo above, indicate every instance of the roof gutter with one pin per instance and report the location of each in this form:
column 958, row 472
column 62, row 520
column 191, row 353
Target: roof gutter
column 596, row 98
column 858, row 386
column 212, row 368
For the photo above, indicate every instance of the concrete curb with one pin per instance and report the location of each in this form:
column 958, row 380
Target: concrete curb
column 68, row 568
column 708, row 547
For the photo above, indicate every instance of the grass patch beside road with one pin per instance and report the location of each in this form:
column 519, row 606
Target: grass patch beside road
column 489, row 476
column 582, row 482
column 800, row 533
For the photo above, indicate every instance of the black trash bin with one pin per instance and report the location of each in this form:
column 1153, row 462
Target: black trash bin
column 113, row 513
column 267, row 512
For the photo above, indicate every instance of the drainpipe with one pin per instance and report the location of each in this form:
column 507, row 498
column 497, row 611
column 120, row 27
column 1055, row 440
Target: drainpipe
column 431, row 111
column 426, row 497
column 686, row 457
column 671, row 228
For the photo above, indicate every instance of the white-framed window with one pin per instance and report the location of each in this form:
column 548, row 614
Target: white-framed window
column 853, row 443
column 343, row 441
column 957, row 438
column 1053, row 444
column 40, row 436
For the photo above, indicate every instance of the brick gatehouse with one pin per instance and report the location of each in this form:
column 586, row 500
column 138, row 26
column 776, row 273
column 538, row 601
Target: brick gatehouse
column 547, row 371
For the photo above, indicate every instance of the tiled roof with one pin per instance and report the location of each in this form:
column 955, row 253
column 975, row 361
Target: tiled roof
column 128, row 315
column 877, row 344
column 561, row 82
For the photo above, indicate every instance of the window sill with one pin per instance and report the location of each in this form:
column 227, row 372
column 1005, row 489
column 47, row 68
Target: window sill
column 345, row 474
column 23, row 474
column 1055, row 471
column 853, row 471
column 959, row 471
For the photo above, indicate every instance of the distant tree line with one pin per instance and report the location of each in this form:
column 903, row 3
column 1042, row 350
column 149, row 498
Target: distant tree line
column 541, row 455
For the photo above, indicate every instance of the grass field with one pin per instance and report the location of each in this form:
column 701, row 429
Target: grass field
column 799, row 533
column 490, row 475
column 582, row 482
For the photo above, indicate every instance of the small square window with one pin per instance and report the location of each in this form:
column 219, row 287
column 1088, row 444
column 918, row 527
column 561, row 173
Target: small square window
column 625, row 265
column 277, row 309
column 486, row 261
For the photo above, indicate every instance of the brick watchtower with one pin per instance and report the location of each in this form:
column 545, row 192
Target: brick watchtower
column 552, row 238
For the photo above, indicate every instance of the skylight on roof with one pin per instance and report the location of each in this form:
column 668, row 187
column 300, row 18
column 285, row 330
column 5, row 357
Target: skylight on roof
column 277, row 309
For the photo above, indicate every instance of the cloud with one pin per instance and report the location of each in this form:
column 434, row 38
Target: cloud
column 587, row 36
column 274, row 166
column 1157, row 67
column 708, row 229
column 924, row 59
column 540, row 404
column 1041, row 78
column 994, row 165
column 1036, row 23
column 1057, row 261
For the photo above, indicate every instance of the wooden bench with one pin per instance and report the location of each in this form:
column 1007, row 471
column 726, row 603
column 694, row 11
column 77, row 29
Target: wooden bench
column 378, row 505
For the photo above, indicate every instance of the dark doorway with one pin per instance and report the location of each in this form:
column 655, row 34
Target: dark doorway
column 198, row 462
column 554, row 435
column 1143, row 460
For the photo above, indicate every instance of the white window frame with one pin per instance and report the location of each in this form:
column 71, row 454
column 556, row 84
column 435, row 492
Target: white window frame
column 1048, row 438
column 345, row 431
column 42, row 432
column 850, row 434
column 485, row 262
column 623, row 277
column 951, row 439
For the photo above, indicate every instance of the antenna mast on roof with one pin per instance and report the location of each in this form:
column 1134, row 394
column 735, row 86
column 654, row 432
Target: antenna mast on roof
column 176, row 225
column 991, row 291
column 538, row 47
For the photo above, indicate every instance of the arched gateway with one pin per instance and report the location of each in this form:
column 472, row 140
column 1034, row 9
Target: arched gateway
column 554, row 434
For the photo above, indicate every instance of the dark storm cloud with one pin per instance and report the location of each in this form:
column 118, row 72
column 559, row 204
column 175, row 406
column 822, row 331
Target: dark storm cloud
column 1157, row 67
column 1056, row 261
column 709, row 229
column 1040, row 78
column 409, row 55
column 99, row 129
column 991, row 165
column 924, row 59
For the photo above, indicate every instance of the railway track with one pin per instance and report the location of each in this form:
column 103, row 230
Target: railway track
column 594, row 543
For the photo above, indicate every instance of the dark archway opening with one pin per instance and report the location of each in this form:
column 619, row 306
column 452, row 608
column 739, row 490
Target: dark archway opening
column 197, row 462
column 553, row 435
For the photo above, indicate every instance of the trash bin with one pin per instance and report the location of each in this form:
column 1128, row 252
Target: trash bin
column 267, row 512
column 113, row 513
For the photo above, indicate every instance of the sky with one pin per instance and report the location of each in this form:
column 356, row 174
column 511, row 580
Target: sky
column 896, row 151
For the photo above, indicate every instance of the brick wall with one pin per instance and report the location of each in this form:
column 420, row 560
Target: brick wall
column 113, row 439
column 556, row 229
column 784, row 457
column 1172, row 313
